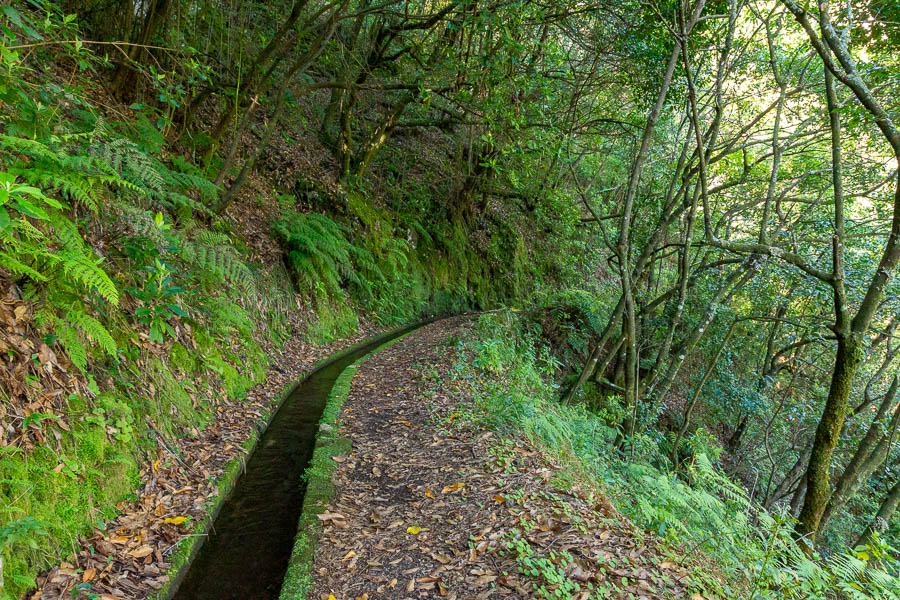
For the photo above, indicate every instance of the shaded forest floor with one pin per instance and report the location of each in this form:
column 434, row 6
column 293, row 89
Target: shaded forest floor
column 428, row 505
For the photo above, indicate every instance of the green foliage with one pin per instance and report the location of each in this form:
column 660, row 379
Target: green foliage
column 324, row 261
column 157, row 295
column 569, row 319
column 550, row 572
column 48, row 498
column 700, row 510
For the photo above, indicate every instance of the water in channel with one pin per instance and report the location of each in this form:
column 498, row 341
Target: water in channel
column 246, row 553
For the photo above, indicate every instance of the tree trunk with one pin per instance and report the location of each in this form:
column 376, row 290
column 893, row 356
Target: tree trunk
column 798, row 497
column 251, row 86
column 686, row 421
column 828, row 432
column 882, row 517
column 869, row 455
column 791, row 478
column 299, row 66
column 124, row 77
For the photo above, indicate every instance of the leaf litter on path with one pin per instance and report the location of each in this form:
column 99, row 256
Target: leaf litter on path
column 427, row 511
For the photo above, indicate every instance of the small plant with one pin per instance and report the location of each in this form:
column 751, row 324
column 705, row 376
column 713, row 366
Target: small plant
column 552, row 582
column 158, row 294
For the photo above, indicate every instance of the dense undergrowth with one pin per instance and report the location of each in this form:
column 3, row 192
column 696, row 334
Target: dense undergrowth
column 132, row 308
column 735, row 548
column 186, row 186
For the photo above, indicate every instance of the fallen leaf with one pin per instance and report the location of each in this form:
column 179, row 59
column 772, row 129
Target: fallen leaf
column 88, row 575
column 141, row 552
column 499, row 499
column 176, row 520
column 429, row 493
column 453, row 488
column 338, row 459
column 348, row 556
column 413, row 530
column 326, row 516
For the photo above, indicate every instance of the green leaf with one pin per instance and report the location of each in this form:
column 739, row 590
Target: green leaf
column 29, row 209
column 13, row 15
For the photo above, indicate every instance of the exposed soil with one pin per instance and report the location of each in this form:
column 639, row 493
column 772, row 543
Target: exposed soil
column 426, row 504
column 130, row 558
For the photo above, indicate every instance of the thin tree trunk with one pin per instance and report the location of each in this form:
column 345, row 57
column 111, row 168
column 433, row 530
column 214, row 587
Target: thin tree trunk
column 251, row 85
column 882, row 517
column 124, row 76
column 850, row 338
column 689, row 408
column 792, row 477
column 299, row 66
column 624, row 244
column 798, row 497
column 732, row 283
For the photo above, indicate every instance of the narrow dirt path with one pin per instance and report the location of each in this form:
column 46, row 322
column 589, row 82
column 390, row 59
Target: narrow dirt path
column 429, row 508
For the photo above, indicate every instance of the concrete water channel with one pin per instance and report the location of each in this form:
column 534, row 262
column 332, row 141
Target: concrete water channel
column 246, row 552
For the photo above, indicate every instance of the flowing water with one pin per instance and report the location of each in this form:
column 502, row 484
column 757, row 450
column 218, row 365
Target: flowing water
column 246, row 553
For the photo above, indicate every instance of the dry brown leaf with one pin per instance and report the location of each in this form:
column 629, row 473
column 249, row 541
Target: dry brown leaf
column 142, row 551
column 448, row 489
column 328, row 516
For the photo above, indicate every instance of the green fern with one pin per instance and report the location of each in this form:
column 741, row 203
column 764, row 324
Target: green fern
column 87, row 271
column 324, row 260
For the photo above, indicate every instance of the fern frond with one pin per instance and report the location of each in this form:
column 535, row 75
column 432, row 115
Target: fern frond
column 83, row 269
column 15, row 266
column 94, row 329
